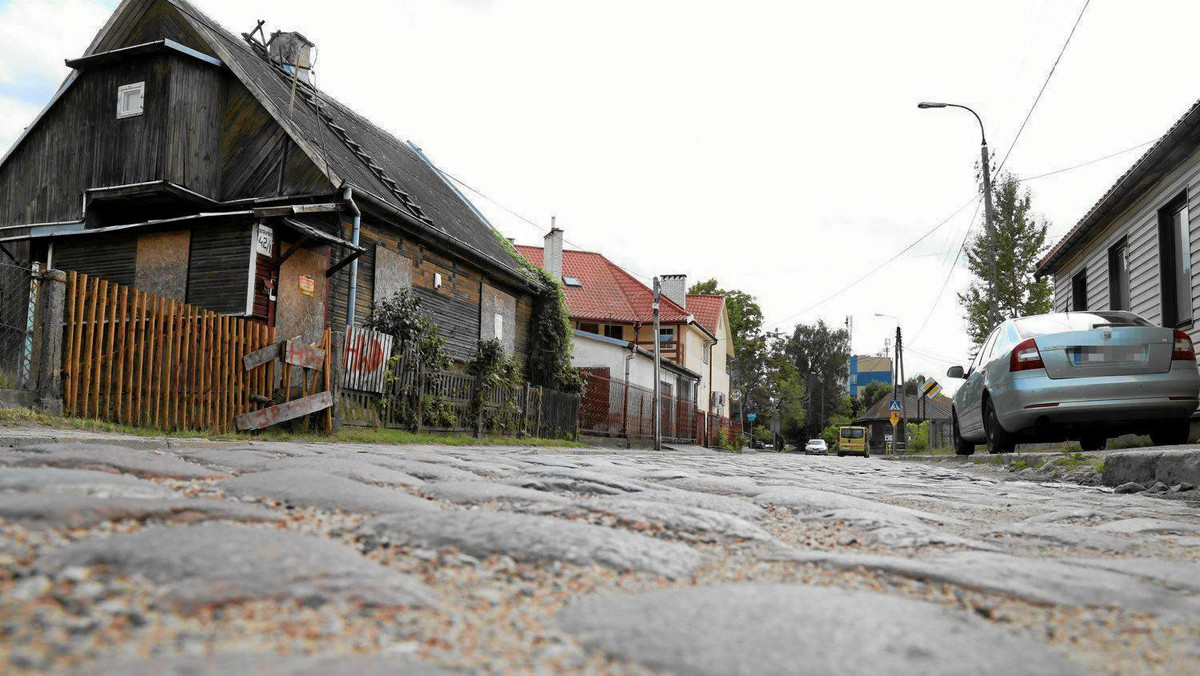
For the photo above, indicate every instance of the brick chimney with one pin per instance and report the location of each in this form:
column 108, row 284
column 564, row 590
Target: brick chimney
column 675, row 287
column 552, row 256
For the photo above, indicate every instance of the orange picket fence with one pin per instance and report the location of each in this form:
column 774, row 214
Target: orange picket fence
column 139, row 359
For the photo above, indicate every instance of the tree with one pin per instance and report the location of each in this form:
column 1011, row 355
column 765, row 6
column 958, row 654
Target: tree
column 749, row 366
column 1020, row 242
column 821, row 353
column 873, row 392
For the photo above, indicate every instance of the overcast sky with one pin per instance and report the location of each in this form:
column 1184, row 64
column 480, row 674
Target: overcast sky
column 773, row 145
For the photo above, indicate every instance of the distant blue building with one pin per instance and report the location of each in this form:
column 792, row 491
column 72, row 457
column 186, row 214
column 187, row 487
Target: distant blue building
column 867, row 369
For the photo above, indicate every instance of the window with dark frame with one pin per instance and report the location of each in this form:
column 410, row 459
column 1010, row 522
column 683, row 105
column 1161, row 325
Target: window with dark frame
column 589, row 328
column 1079, row 300
column 614, row 331
column 1118, row 276
column 1175, row 262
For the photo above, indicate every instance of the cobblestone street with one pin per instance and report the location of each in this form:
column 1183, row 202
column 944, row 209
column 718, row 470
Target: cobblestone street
column 337, row 559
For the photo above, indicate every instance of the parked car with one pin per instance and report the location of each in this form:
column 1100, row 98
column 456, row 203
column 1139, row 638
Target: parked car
column 1083, row 376
column 816, row 447
column 854, row 441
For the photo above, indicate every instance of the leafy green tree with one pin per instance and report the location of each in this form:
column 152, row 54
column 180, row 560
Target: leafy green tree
column 821, row 353
column 749, row 366
column 873, row 392
column 787, row 388
column 1020, row 243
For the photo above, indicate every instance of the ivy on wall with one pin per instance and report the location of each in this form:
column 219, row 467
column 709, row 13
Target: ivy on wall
column 550, row 336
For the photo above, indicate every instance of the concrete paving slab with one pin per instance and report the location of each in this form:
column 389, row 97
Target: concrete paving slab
column 314, row 488
column 768, row 630
column 107, row 457
column 80, row 482
column 79, row 511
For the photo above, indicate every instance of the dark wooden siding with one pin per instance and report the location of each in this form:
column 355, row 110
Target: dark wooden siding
column 339, row 290
column 194, row 126
column 109, row 256
column 81, row 144
column 156, row 20
column 252, row 145
column 458, row 322
column 220, row 266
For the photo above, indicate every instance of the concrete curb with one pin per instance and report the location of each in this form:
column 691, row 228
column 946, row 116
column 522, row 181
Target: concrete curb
column 132, row 443
column 1170, row 466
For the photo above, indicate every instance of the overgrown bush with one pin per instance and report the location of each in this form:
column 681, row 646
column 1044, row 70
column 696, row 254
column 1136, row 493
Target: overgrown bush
column 918, row 436
column 494, row 369
column 417, row 337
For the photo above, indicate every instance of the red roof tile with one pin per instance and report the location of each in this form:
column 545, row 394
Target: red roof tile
column 608, row 293
column 707, row 309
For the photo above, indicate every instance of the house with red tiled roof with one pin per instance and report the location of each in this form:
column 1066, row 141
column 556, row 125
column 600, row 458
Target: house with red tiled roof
column 606, row 301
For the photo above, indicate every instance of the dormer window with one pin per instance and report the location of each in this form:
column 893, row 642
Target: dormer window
column 572, row 281
column 131, row 99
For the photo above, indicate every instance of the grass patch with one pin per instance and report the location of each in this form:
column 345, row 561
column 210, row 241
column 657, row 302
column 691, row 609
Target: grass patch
column 358, row 435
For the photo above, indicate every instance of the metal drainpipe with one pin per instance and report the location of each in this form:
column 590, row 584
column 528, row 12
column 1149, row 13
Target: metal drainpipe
column 348, row 196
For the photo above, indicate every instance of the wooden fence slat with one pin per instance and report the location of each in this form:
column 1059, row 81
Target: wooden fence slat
column 328, row 382
column 168, row 378
column 69, row 368
column 90, row 347
column 98, row 366
column 177, row 363
column 142, row 315
column 122, row 325
column 189, row 351
column 110, row 357
column 243, row 327
column 210, row 368
column 130, row 349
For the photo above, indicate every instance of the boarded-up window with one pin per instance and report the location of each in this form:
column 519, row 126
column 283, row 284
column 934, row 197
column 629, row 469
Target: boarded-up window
column 162, row 263
column 497, row 309
column 393, row 273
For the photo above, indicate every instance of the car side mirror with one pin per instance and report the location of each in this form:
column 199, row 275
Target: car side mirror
column 955, row 372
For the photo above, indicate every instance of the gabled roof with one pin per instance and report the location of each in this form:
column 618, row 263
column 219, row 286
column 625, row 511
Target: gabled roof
column 1180, row 141
column 707, row 308
column 346, row 147
column 938, row 408
column 607, row 293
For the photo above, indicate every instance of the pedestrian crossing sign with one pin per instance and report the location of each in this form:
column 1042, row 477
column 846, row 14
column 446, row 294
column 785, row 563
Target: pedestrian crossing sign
column 894, row 405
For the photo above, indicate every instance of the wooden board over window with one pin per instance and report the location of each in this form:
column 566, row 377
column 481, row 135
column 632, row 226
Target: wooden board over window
column 162, row 263
column 393, row 274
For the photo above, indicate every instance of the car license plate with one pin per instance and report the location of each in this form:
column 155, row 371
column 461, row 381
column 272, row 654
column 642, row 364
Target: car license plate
column 1115, row 354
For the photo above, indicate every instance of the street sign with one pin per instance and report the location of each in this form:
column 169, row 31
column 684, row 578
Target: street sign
column 735, row 395
column 932, row 389
column 895, row 418
column 751, row 416
column 894, row 405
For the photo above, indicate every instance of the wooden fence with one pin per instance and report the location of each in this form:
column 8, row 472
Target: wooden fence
column 139, row 359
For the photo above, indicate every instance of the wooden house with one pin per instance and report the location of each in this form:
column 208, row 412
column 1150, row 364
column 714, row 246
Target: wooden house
column 187, row 161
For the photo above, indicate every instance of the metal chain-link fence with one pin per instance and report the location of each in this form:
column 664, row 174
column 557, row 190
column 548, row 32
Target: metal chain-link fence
column 18, row 326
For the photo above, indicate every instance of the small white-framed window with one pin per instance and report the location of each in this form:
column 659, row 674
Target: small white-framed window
column 131, row 99
column 707, row 349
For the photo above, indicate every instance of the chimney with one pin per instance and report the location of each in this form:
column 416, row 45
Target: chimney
column 552, row 257
column 293, row 51
column 675, row 288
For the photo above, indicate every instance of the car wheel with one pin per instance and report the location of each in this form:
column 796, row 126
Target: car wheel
column 1171, row 434
column 1093, row 442
column 961, row 446
column 998, row 439
column 841, row 455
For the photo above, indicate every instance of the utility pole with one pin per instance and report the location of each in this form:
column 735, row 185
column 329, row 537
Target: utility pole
column 989, row 226
column 903, row 398
column 657, row 366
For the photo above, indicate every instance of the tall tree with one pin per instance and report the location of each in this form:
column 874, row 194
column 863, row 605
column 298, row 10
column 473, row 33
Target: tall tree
column 821, row 353
column 1020, row 242
column 749, row 366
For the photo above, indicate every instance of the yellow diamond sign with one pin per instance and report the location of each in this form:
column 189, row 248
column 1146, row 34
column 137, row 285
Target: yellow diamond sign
column 895, row 418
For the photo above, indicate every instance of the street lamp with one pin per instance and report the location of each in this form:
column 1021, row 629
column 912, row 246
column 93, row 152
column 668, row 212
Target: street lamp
column 987, row 199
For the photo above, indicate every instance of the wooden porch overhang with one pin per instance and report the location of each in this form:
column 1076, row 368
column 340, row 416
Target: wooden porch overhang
column 141, row 50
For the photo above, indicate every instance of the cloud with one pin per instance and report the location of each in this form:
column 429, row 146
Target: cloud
column 35, row 37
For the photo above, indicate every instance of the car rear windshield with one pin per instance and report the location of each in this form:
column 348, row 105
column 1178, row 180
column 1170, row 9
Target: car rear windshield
column 852, row 433
column 1040, row 325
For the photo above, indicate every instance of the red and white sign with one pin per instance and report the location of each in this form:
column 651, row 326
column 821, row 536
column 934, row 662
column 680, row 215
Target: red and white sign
column 367, row 354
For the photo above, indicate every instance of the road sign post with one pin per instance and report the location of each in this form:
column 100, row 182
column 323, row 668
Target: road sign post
column 894, row 416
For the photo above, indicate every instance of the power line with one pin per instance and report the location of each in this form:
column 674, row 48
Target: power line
column 1089, row 162
column 1041, row 91
column 949, row 274
column 876, row 268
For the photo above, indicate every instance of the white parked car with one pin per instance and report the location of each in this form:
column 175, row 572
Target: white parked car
column 816, row 447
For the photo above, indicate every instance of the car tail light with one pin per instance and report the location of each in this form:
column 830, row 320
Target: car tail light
column 1184, row 349
column 1025, row 357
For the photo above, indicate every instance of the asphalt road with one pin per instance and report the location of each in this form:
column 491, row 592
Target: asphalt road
column 337, row 559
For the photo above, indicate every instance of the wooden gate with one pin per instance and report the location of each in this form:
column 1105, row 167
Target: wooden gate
column 139, row 359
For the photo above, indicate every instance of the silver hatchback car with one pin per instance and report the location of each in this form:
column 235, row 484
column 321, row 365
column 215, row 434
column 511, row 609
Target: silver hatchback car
column 1083, row 376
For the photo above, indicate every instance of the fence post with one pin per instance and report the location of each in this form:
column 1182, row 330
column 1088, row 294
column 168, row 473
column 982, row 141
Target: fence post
column 420, row 383
column 338, row 357
column 478, row 397
column 49, row 389
column 524, row 417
